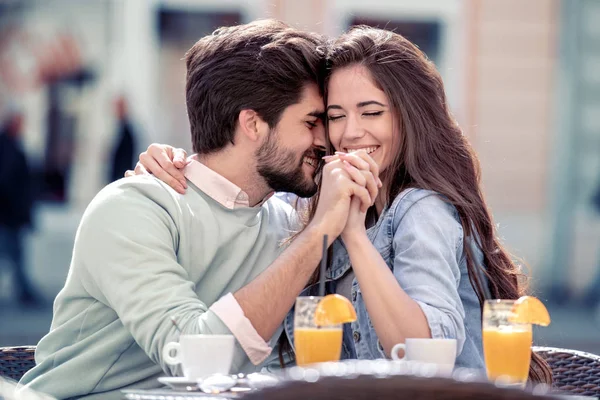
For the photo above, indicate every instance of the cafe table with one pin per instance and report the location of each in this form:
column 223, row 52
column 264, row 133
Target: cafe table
column 360, row 379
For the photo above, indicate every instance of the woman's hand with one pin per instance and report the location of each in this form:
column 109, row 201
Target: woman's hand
column 165, row 162
column 365, row 172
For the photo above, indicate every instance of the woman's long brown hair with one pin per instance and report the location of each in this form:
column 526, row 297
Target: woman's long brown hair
column 433, row 153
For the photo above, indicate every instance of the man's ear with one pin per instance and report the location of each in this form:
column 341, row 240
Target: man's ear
column 252, row 126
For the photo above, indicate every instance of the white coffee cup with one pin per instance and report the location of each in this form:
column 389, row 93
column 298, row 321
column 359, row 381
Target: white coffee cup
column 201, row 355
column 441, row 352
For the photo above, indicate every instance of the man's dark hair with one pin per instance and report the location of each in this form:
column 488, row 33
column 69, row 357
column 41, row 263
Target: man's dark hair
column 262, row 66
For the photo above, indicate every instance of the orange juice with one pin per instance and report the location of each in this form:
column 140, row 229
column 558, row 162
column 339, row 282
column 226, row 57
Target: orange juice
column 315, row 345
column 507, row 351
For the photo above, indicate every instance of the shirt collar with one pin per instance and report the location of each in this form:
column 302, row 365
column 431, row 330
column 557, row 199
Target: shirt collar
column 219, row 188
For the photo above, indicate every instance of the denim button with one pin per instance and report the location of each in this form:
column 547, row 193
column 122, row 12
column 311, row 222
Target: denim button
column 356, row 336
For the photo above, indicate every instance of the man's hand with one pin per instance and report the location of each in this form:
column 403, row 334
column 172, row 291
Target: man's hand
column 288, row 275
column 355, row 224
column 165, row 162
column 341, row 181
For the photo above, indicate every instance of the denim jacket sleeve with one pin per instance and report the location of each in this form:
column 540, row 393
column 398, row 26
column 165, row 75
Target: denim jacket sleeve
column 427, row 246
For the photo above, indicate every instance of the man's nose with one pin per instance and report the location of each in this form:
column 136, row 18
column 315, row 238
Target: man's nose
column 319, row 139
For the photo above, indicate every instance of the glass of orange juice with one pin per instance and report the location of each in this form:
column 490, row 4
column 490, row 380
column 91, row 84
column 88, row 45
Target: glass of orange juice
column 506, row 343
column 313, row 343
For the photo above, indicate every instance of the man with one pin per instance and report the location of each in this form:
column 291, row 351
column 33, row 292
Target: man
column 123, row 152
column 212, row 259
column 591, row 298
column 16, row 204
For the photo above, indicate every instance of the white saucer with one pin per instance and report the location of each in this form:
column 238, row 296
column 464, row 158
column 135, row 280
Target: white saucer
column 179, row 383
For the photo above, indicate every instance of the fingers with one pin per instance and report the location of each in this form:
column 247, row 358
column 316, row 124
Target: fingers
column 363, row 194
column 179, row 158
column 140, row 170
column 354, row 181
column 165, row 160
column 361, row 160
column 355, row 159
column 158, row 160
column 356, row 174
column 363, row 178
column 152, row 165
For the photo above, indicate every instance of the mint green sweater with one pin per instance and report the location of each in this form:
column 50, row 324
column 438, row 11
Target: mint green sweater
column 144, row 254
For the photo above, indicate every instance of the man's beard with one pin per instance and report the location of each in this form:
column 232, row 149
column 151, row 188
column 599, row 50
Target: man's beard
column 281, row 171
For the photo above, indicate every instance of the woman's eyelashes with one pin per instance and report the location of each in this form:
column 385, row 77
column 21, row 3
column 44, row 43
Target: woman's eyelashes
column 372, row 113
column 365, row 114
column 334, row 117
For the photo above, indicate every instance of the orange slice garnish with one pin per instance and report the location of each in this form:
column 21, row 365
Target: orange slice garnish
column 334, row 309
column 530, row 310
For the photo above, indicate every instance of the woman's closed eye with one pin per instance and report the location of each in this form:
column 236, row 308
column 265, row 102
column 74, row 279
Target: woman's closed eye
column 365, row 114
column 334, row 117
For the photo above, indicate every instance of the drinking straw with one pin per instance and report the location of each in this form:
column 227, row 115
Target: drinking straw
column 323, row 267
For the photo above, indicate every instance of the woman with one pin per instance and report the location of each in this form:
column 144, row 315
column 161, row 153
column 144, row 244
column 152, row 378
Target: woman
column 419, row 262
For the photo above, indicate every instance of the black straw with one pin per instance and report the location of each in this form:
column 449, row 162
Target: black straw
column 323, row 267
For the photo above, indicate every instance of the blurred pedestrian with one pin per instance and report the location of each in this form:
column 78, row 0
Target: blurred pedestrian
column 592, row 295
column 596, row 199
column 123, row 156
column 16, row 203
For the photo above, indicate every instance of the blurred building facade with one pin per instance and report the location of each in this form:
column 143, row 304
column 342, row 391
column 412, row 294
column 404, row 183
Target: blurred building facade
column 521, row 78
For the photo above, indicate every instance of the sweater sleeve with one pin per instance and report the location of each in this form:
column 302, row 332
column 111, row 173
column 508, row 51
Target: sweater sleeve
column 127, row 243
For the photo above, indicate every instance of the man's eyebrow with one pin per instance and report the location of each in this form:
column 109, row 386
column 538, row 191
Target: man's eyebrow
column 316, row 113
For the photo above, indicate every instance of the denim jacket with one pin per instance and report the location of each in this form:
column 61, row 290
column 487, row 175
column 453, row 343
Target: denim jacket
column 421, row 240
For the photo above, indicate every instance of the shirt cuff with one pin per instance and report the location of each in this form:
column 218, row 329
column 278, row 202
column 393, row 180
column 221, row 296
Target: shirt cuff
column 229, row 311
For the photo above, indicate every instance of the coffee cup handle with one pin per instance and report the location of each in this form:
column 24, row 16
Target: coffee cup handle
column 396, row 349
column 169, row 359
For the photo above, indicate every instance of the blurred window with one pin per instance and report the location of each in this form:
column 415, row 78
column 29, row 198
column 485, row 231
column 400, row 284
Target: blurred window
column 425, row 34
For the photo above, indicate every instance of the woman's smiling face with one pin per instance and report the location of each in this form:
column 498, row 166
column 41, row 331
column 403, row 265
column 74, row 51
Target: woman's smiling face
column 360, row 115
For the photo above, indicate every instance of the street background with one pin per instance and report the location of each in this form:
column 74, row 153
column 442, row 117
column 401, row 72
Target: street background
column 522, row 77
